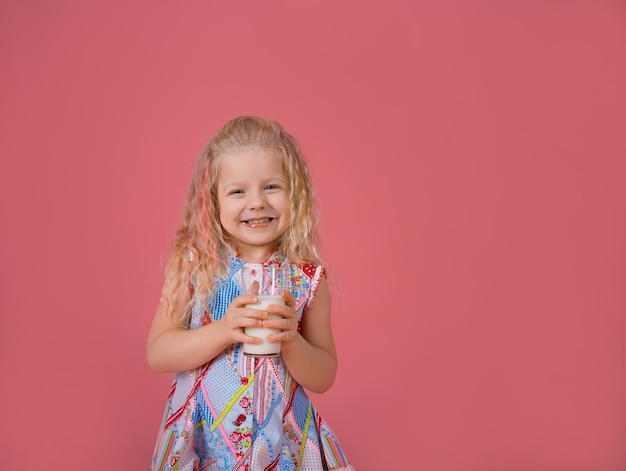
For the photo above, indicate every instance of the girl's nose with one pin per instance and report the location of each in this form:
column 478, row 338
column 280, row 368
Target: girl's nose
column 256, row 201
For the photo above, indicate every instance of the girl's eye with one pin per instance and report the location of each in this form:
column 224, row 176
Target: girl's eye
column 271, row 187
column 236, row 192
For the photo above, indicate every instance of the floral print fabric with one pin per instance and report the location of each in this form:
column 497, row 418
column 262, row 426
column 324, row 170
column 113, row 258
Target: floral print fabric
column 245, row 413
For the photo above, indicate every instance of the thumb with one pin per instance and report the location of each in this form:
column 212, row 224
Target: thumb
column 254, row 288
column 289, row 298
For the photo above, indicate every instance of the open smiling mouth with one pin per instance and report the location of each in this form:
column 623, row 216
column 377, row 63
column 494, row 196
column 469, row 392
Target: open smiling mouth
column 256, row 222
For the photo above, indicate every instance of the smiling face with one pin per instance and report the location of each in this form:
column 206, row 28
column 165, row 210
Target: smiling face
column 253, row 199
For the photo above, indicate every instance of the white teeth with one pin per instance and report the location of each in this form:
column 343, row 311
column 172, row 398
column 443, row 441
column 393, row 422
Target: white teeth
column 254, row 222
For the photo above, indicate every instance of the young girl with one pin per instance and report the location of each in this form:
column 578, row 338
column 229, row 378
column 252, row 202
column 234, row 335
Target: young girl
column 251, row 202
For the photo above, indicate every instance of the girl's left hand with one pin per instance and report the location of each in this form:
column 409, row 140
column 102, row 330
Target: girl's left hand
column 288, row 322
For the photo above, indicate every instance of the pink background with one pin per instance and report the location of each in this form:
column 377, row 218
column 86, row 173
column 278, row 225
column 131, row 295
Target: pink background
column 470, row 162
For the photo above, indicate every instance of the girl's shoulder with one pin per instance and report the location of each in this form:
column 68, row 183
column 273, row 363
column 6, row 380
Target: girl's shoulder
column 312, row 270
column 306, row 279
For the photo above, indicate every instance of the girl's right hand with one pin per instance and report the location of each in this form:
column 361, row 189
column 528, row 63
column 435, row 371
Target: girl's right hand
column 238, row 316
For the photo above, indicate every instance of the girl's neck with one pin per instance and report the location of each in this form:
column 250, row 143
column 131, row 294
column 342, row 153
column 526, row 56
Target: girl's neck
column 261, row 256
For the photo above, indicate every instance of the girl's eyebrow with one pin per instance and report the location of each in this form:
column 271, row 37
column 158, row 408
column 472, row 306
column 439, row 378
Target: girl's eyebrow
column 229, row 183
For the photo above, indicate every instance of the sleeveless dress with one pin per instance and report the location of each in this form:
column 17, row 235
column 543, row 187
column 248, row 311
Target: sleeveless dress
column 244, row 413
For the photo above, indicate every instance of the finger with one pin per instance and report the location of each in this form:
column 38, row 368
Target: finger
column 250, row 339
column 254, row 288
column 243, row 322
column 250, row 312
column 284, row 336
column 289, row 299
column 245, row 299
column 287, row 312
column 279, row 324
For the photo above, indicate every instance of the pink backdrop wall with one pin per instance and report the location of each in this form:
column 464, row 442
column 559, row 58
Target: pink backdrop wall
column 470, row 162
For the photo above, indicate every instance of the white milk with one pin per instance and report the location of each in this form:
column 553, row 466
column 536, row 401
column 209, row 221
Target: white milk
column 265, row 348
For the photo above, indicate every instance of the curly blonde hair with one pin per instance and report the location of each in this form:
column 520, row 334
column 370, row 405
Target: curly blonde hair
column 202, row 249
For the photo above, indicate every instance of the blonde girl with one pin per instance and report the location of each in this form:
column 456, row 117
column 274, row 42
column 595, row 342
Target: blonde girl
column 251, row 202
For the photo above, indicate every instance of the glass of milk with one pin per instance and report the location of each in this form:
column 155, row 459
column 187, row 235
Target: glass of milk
column 268, row 281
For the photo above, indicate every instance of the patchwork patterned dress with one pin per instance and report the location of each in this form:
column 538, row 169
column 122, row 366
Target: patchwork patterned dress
column 243, row 413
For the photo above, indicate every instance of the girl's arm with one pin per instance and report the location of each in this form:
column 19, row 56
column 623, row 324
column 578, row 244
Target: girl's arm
column 171, row 347
column 310, row 356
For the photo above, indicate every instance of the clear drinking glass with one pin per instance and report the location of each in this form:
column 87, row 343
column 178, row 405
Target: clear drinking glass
column 272, row 280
